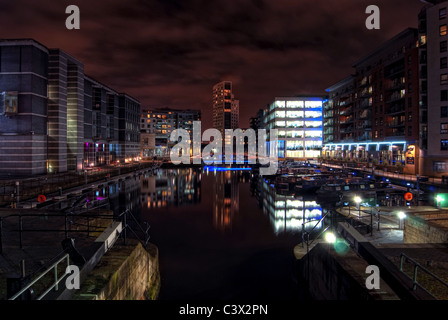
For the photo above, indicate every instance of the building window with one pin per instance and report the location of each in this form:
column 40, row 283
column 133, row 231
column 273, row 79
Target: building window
column 443, row 62
column 443, row 30
column 443, row 46
column 443, row 95
column 444, row 78
column 442, row 13
column 444, row 144
column 439, row 166
column 444, row 112
column 444, row 128
column 409, row 116
column 8, row 103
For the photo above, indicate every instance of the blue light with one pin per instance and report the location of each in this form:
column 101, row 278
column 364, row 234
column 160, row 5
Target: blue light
column 226, row 169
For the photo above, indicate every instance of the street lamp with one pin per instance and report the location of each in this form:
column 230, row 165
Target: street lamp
column 401, row 216
column 330, row 237
column 439, row 200
column 358, row 201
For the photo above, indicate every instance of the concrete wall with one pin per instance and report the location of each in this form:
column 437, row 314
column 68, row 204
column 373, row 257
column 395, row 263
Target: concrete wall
column 128, row 272
column 334, row 276
column 426, row 228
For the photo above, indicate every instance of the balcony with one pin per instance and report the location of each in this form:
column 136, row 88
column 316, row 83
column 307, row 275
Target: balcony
column 346, row 130
column 396, row 109
column 396, row 96
column 347, row 120
column 367, row 124
column 395, row 71
column 365, row 136
column 396, row 124
column 346, row 111
column 365, row 104
column 365, row 93
column 396, row 84
column 345, row 102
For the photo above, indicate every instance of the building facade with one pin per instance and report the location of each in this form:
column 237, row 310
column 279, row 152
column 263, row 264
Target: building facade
column 433, row 60
column 158, row 124
column 299, row 124
column 225, row 107
column 54, row 118
column 372, row 116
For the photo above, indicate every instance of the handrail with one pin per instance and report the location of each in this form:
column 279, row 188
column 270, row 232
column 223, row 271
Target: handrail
column 55, row 284
column 416, row 266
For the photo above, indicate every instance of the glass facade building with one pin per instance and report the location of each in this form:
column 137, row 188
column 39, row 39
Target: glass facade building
column 299, row 124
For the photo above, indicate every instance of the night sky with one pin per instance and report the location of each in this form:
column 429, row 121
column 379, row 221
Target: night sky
column 171, row 53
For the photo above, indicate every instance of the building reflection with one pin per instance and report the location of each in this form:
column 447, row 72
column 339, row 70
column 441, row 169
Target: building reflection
column 176, row 187
column 226, row 199
column 287, row 213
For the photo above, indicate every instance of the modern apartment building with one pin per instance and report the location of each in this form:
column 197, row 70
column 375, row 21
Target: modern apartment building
column 433, row 60
column 299, row 124
column 372, row 115
column 54, row 118
column 158, row 124
column 225, row 107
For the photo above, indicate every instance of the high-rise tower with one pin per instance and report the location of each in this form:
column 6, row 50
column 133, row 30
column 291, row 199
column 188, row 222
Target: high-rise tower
column 225, row 107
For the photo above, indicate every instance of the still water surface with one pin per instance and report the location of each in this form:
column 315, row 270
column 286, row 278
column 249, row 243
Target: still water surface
column 223, row 235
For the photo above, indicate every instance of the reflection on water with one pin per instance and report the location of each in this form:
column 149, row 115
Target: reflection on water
column 222, row 234
column 171, row 187
column 226, row 199
column 287, row 213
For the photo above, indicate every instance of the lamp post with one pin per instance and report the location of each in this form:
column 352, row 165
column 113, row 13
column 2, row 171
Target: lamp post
column 358, row 201
column 401, row 216
column 439, row 200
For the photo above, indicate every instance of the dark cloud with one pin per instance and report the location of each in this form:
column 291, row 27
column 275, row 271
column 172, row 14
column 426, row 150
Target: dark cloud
column 171, row 53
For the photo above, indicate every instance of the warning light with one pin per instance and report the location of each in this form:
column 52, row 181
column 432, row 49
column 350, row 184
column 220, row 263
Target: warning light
column 408, row 196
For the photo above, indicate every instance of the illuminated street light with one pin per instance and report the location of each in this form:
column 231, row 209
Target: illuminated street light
column 439, row 200
column 358, row 201
column 401, row 216
column 330, row 237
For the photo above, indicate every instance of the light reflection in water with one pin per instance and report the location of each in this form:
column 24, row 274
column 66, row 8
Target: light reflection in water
column 287, row 213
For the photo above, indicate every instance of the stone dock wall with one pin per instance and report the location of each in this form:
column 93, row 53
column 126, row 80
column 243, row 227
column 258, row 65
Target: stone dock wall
column 126, row 272
column 426, row 228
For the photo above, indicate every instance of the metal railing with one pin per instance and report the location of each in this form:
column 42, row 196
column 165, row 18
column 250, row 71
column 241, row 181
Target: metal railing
column 418, row 266
column 54, row 285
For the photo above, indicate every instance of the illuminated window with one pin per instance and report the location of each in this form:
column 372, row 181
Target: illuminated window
column 443, row 30
column 439, row 166
column 294, row 104
column 422, row 40
column 444, row 144
column 444, row 128
column 444, row 78
column 8, row 103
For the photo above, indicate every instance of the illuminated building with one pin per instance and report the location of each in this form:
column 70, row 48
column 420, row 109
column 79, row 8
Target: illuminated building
column 288, row 214
column 225, row 107
column 299, row 124
column 54, row 118
column 433, row 51
column 157, row 125
column 372, row 116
